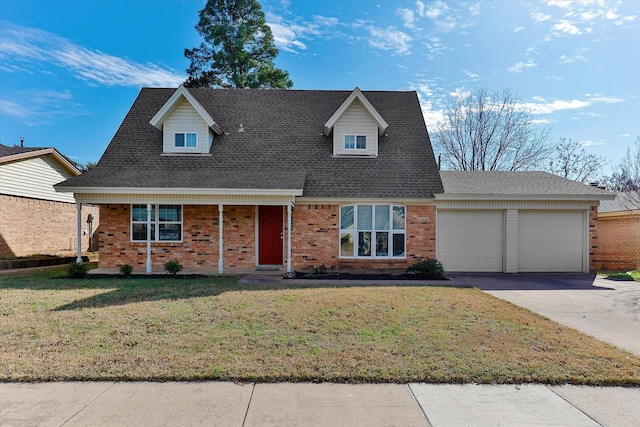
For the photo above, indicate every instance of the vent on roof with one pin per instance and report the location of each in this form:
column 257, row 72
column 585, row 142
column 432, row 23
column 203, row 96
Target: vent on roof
column 241, row 128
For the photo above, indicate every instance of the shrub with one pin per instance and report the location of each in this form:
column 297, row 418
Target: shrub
column 76, row 270
column 173, row 267
column 126, row 270
column 429, row 269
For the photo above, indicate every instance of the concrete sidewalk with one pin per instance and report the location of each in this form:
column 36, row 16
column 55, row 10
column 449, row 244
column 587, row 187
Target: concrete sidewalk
column 303, row 404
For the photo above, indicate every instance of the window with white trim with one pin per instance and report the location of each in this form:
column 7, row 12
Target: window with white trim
column 165, row 226
column 372, row 231
column 355, row 142
column 185, row 139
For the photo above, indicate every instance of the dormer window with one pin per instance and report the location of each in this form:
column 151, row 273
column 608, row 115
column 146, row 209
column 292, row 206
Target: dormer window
column 189, row 140
column 355, row 142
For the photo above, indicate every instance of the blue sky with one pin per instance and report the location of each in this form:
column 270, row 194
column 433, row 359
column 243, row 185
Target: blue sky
column 70, row 69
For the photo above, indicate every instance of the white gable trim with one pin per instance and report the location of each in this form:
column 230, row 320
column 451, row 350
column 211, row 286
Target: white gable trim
column 163, row 114
column 44, row 152
column 356, row 94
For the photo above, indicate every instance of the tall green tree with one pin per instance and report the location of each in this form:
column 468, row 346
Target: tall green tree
column 238, row 49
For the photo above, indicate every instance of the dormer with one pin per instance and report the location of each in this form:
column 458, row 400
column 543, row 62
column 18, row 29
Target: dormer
column 356, row 127
column 185, row 124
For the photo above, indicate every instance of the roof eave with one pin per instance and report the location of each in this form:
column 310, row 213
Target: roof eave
column 536, row 197
column 295, row 192
column 44, row 152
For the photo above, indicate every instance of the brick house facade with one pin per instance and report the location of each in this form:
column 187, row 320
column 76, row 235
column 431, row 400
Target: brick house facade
column 33, row 226
column 303, row 179
column 618, row 235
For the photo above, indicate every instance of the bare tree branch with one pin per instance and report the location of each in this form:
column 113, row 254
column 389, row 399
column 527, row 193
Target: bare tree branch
column 490, row 132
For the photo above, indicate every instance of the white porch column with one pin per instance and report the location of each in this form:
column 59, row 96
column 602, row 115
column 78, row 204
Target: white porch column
column 149, row 268
column 220, row 240
column 79, row 208
column 289, row 238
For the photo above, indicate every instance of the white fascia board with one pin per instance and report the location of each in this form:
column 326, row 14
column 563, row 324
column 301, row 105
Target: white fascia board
column 537, row 197
column 357, row 93
column 166, row 109
column 44, row 152
column 198, row 191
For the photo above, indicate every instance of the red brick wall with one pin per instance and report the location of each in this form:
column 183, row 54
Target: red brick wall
column 319, row 243
column 199, row 248
column 33, row 226
column 618, row 243
column 315, row 238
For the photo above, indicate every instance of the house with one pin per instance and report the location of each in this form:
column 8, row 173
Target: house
column 34, row 218
column 619, row 234
column 241, row 179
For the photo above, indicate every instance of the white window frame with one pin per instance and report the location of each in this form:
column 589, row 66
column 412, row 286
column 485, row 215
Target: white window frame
column 355, row 142
column 186, row 136
column 390, row 230
column 155, row 223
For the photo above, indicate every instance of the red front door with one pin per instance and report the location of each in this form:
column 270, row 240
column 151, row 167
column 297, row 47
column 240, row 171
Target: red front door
column 270, row 233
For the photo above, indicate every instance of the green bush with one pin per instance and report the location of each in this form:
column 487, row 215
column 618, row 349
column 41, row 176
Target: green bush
column 429, row 269
column 126, row 270
column 173, row 267
column 77, row 270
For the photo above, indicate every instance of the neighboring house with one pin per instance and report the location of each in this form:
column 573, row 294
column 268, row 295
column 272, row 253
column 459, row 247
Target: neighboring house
column 241, row 179
column 619, row 234
column 34, row 218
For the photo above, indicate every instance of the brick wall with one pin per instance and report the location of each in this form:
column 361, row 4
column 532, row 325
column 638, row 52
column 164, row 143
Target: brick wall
column 618, row 243
column 319, row 243
column 315, row 238
column 199, row 248
column 33, row 226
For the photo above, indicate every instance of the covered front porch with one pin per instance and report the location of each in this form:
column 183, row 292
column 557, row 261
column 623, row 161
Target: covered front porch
column 205, row 233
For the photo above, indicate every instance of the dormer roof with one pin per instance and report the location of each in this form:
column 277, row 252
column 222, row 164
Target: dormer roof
column 183, row 93
column 356, row 95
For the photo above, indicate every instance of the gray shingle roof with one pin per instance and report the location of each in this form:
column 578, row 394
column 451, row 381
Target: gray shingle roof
column 282, row 147
column 623, row 202
column 518, row 183
column 11, row 151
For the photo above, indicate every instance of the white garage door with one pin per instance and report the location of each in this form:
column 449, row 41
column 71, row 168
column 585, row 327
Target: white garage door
column 470, row 240
column 550, row 241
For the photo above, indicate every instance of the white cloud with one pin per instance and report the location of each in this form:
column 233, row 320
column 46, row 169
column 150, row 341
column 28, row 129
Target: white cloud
column 624, row 135
column 286, row 38
column 589, row 143
column 566, row 27
column 390, row 39
column 541, row 106
column 518, row 29
column 521, row 66
column 407, row 16
column 539, row 17
column 39, row 107
column 23, row 45
column 460, row 93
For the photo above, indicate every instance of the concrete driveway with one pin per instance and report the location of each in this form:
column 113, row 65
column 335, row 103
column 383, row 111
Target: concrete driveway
column 605, row 309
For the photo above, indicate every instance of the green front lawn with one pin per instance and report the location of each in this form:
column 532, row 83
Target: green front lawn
column 217, row 329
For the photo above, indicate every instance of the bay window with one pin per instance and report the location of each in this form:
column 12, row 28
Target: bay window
column 376, row 231
column 165, row 225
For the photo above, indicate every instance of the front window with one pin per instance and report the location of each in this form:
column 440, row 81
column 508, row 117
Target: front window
column 189, row 140
column 372, row 231
column 355, row 142
column 165, row 225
